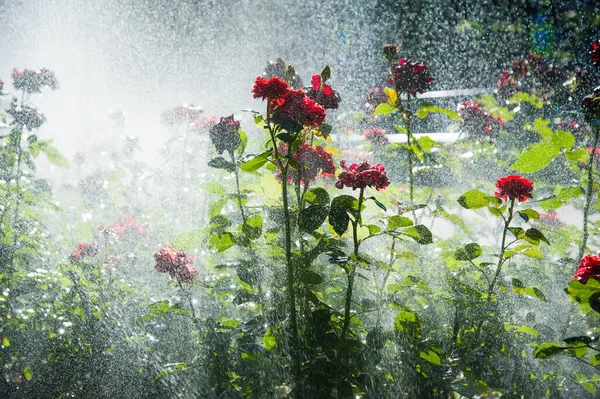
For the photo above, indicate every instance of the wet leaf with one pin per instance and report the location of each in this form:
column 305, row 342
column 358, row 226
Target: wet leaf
column 312, row 218
column 473, row 199
column 419, row 233
column 547, row 350
column 468, row 252
column 326, row 73
column 269, row 340
column 317, row 196
column 431, row 357
column 426, row 109
column 221, row 163
column 220, row 242
column 256, row 163
column 398, row 221
column 384, row 109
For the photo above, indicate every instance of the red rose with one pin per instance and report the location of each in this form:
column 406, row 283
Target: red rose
column 411, row 77
column 188, row 274
column 270, row 89
column 514, row 187
column 127, row 224
column 390, row 51
column 296, row 108
column 595, row 53
column 323, row 94
column 311, row 162
column 589, row 267
column 363, row 175
column 591, row 106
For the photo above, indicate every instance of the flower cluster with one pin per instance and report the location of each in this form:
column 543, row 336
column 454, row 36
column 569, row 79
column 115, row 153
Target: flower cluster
column 270, row 89
column 25, row 115
column 323, row 94
column 507, row 86
column 363, row 175
column 126, row 225
column 225, row 135
column 311, row 162
column 181, row 114
column 31, row 81
column 591, row 106
column 203, row 123
column 589, row 267
column 177, row 263
column 411, row 77
column 595, row 53
column 514, row 187
column 295, row 110
column 376, row 136
column 84, row 250
column 475, row 120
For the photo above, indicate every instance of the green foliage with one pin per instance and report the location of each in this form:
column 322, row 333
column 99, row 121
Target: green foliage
column 426, row 109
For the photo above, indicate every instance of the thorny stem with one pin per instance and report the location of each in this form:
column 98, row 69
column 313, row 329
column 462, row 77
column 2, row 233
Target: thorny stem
column 589, row 194
column 501, row 259
column 352, row 273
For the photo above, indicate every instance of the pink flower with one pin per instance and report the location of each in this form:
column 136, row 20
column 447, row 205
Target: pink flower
column 363, row 175
column 177, row 263
column 127, row 224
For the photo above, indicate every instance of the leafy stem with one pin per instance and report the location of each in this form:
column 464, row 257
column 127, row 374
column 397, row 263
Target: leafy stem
column 355, row 223
column 503, row 246
column 589, row 194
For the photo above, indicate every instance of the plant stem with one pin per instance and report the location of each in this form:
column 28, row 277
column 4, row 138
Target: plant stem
column 237, row 185
column 588, row 194
column 501, row 259
column 290, row 272
column 189, row 300
column 351, row 274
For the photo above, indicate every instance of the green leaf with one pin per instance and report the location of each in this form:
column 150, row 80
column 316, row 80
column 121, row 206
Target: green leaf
column 419, row 233
column 193, row 239
column 468, row 252
column 53, row 155
column 317, row 196
column 214, row 188
column 312, row 218
column 221, row 163
column 220, row 242
column 431, row 357
column 310, row 277
column 406, row 320
column 517, row 232
column 384, row 109
column 426, row 109
column 269, row 340
column 533, row 252
column 253, row 227
column 338, row 219
column 535, row 236
column 570, row 192
column 27, row 373
column 326, row 73
column 551, row 203
column 527, row 214
column 473, row 199
column 426, row 143
column 5, row 342
column 254, row 164
column 563, row 139
column 398, row 221
column 547, row 350
column 521, row 329
column 373, row 229
column 379, row 204
column 526, row 97
column 243, row 142
column 578, row 155
column 537, row 157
